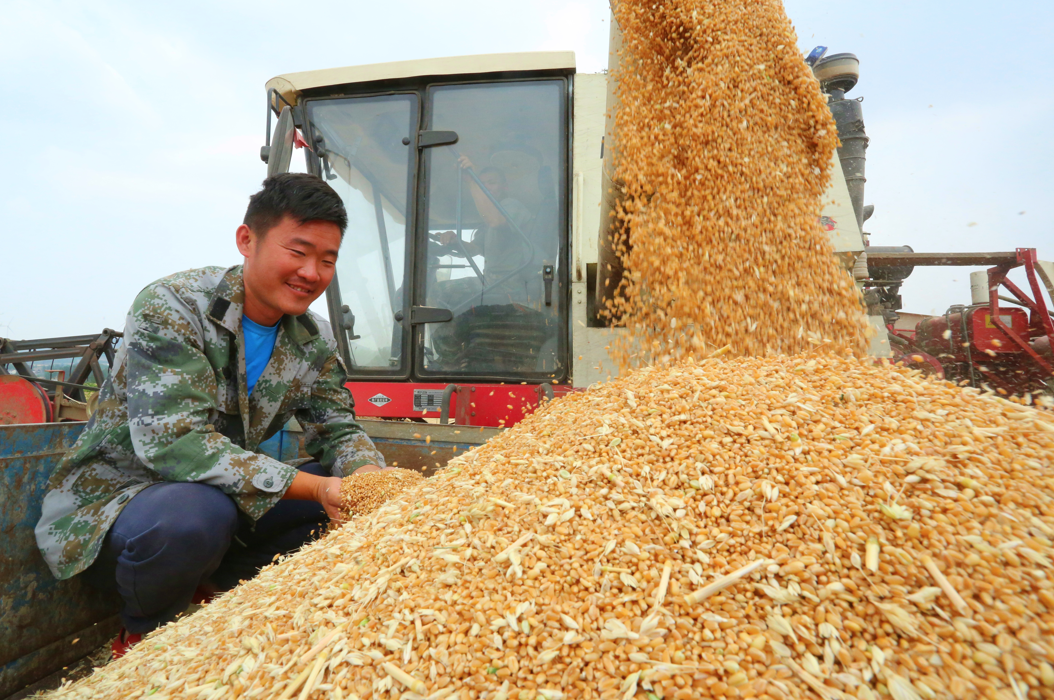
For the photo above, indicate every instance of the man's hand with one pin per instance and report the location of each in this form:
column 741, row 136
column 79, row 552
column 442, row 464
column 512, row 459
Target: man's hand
column 366, row 469
column 447, row 238
column 464, row 162
column 324, row 490
column 328, row 494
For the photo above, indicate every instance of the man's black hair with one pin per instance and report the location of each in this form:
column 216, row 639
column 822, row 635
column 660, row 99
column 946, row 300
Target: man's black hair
column 299, row 195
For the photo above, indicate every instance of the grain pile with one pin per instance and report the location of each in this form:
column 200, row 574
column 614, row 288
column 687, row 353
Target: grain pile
column 364, row 493
column 724, row 148
column 805, row 526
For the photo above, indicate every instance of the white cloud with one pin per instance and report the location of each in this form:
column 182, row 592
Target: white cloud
column 54, row 61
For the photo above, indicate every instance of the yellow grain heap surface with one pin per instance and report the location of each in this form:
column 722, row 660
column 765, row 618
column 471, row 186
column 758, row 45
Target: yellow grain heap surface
column 363, row 493
column 802, row 526
column 724, row 148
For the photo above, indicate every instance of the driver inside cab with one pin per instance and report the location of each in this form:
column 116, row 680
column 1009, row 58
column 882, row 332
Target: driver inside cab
column 500, row 241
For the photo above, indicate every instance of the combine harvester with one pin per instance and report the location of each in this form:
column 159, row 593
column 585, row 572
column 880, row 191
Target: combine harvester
column 441, row 329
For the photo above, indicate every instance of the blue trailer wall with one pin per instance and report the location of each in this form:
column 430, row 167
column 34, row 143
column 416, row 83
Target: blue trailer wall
column 39, row 615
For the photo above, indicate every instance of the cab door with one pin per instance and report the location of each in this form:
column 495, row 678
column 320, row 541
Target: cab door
column 364, row 146
column 491, row 234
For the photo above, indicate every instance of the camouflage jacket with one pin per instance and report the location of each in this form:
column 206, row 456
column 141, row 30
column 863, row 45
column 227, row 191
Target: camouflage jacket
column 175, row 408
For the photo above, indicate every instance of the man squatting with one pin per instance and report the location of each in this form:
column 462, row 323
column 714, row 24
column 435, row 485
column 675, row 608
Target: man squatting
column 164, row 499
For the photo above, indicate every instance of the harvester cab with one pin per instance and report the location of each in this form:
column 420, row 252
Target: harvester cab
column 455, row 174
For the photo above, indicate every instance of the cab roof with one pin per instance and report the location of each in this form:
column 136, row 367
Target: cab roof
column 291, row 85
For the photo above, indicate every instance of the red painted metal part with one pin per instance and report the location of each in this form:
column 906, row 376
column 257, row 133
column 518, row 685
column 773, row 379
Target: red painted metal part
column 489, row 405
column 1028, row 258
column 997, row 276
column 917, row 359
column 985, row 351
column 1005, row 346
column 22, row 402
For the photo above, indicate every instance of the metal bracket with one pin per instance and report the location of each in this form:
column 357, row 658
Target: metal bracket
column 426, row 314
column 347, row 322
column 280, row 150
column 273, row 97
column 84, row 350
column 428, row 139
column 547, row 278
column 63, row 407
column 444, row 404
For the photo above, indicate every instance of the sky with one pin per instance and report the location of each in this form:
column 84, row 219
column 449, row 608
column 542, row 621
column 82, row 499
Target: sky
column 133, row 129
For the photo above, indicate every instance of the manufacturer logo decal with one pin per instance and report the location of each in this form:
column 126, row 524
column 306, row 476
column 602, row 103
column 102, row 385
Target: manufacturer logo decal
column 828, row 223
column 379, row 399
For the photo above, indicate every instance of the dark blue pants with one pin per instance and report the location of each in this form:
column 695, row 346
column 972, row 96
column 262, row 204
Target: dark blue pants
column 173, row 537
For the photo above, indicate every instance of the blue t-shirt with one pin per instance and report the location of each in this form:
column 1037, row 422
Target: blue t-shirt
column 259, row 344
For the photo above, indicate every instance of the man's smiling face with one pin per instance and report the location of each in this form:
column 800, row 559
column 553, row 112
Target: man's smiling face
column 287, row 268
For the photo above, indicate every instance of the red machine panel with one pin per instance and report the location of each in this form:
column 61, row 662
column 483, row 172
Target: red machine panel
column 988, row 336
column 490, row 405
column 397, row 400
column 943, row 335
column 22, row 402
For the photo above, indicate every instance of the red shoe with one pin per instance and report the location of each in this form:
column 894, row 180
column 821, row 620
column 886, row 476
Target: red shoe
column 123, row 642
column 204, row 594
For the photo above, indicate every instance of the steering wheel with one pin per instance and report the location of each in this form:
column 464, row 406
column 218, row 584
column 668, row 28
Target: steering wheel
column 439, row 247
column 458, row 247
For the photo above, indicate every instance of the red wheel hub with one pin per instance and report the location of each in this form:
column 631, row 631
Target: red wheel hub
column 22, row 401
